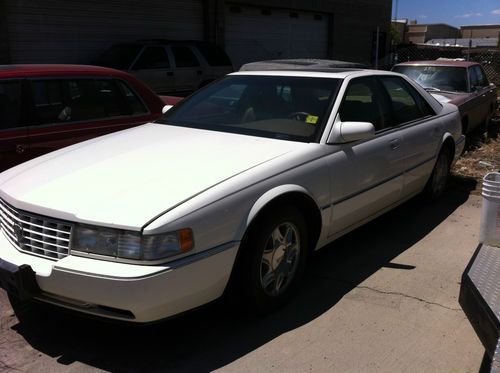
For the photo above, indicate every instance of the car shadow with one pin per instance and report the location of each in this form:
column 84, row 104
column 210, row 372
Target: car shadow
column 218, row 334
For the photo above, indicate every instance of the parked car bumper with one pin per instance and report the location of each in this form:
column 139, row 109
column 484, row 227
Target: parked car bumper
column 479, row 299
column 121, row 291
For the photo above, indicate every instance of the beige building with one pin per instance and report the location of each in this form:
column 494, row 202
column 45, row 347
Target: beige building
column 480, row 31
column 419, row 34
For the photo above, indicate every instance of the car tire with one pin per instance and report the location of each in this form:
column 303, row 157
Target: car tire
column 438, row 181
column 275, row 252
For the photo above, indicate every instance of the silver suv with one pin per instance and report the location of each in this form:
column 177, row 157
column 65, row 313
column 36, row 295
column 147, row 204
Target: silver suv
column 169, row 67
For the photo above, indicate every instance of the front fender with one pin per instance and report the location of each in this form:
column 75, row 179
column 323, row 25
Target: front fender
column 272, row 194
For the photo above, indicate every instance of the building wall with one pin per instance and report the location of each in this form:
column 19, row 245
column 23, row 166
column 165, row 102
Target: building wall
column 74, row 32
column 482, row 31
column 441, row 31
column 419, row 34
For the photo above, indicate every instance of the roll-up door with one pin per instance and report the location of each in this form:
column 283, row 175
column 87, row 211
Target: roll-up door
column 254, row 34
column 62, row 31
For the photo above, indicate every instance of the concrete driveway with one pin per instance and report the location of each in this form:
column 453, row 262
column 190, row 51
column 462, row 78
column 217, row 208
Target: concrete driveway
column 382, row 299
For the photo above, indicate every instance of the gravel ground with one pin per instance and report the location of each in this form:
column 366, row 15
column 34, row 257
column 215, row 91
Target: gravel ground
column 481, row 156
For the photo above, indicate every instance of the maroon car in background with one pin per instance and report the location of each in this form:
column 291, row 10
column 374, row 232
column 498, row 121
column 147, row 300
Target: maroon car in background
column 47, row 107
column 461, row 83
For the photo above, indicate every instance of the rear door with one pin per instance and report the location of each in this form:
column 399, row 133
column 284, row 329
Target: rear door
column 75, row 109
column 13, row 121
column 188, row 73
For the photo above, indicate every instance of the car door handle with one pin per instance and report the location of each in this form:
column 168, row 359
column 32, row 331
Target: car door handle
column 20, row 148
column 395, row 144
column 199, row 72
column 170, row 73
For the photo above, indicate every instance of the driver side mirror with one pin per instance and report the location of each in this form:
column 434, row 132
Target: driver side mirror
column 344, row 132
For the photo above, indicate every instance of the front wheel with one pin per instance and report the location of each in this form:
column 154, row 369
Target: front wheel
column 438, row 181
column 274, row 258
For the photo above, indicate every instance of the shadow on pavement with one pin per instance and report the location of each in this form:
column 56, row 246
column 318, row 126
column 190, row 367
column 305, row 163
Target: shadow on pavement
column 216, row 335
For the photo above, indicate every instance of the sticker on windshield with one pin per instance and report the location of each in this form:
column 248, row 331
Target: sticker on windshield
column 312, row 119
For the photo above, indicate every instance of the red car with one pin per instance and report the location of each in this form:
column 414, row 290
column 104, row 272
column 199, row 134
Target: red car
column 47, row 107
column 461, row 83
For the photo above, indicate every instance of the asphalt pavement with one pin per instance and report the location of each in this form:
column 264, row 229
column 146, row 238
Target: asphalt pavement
column 384, row 298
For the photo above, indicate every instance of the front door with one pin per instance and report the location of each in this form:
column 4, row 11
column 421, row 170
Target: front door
column 367, row 175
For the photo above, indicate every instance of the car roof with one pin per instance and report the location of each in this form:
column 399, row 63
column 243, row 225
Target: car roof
column 442, row 62
column 305, row 64
column 7, row 71
column 318, row 73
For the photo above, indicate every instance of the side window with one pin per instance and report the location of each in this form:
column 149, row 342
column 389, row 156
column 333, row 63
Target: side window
column 184, row 57
column 10, row 104
column 363, row 102
column 404, row 106
column 134, row 104
column 482, row 80
column 473, row 79
column 48, row 101
column 152, row 58
column 83, row 100
column 111, row 97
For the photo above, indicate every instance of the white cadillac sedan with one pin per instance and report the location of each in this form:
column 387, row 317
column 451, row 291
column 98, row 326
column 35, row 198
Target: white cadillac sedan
column 235, row 185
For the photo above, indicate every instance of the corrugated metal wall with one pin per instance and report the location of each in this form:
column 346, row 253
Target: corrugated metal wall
column 63, row 31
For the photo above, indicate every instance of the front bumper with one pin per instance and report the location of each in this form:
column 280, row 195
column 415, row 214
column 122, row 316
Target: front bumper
column 120, row 291
column 480, row 299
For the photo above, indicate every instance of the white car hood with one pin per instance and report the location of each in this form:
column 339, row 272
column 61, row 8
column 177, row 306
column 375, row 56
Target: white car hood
column 128, row 178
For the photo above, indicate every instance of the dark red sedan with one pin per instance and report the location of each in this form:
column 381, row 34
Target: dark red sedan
column 47, row 107
column 461, row 83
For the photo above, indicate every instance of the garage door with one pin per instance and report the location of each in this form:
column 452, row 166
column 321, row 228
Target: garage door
column 62, row 31
column 254, row 34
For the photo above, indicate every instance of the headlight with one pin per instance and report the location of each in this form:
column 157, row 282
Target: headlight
column 130, row 245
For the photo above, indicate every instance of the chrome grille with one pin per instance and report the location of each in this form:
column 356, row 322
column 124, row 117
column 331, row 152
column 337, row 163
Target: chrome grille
column 34, row 234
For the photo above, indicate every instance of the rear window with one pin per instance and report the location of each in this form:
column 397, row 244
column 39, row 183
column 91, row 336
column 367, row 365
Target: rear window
column 214, row 55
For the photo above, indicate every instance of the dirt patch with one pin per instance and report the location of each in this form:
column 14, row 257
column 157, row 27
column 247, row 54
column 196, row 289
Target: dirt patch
column 481, row 156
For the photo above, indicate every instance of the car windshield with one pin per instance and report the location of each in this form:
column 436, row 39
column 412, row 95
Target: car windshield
column 119, row 56
column 443, row 78
column 282, row 107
